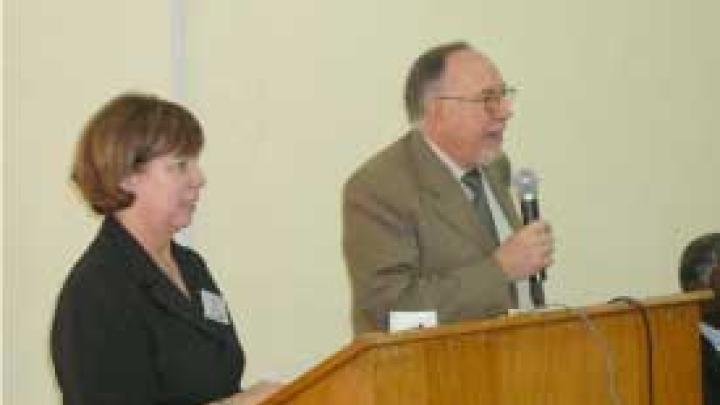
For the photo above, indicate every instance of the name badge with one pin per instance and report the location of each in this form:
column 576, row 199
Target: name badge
column 214, row 307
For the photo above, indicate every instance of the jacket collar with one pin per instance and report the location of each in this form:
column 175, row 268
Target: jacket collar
column 142, row 271
column 446, row 195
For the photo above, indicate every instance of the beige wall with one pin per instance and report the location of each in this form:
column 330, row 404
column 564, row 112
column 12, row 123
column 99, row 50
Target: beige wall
column 62, row 59
column 616, row 112
column 2, row 199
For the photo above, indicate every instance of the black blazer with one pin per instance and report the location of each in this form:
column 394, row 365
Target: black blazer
column 124, row 334
column 711, row 373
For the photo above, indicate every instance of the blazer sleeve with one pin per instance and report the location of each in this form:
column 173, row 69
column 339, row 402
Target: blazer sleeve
column 380, row 241
column 100, row 352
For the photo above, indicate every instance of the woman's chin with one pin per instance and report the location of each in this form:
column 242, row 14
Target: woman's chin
column 181, row 223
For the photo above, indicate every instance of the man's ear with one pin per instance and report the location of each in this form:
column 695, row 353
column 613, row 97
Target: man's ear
column 432, row 116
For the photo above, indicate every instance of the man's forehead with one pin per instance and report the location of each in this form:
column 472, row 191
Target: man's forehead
column 471, row 66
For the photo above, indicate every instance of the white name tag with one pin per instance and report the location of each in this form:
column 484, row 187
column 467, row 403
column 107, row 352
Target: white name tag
column 404, row 320
column 214, row 307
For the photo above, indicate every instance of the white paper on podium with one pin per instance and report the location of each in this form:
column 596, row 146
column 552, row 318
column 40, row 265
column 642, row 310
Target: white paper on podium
column 404, row 320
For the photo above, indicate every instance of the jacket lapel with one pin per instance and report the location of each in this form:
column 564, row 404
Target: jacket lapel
column 145, row 273
column 445, row 195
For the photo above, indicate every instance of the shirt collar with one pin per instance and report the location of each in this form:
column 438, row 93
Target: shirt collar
column 455, row 168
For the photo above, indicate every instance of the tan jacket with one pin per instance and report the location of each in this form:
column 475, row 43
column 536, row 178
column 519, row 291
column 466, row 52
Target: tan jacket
column 412, row 240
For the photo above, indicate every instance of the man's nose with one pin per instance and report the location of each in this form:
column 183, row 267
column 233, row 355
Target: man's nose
column 505, row 109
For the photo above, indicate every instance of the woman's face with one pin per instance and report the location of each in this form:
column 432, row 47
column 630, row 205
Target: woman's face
column 166, row 190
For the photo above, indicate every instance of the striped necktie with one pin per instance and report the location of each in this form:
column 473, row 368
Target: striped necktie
column 473, row 180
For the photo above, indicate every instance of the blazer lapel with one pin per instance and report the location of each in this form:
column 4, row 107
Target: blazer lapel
column 141, row 268
column 446, row 196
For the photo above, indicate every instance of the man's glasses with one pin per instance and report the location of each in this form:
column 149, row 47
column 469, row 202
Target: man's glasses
column 491, row 99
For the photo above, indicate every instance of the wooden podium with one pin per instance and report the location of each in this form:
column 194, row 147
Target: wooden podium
column 554, row 357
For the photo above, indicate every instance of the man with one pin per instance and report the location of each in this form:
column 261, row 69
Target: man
column 424, row 232
column 700, row 269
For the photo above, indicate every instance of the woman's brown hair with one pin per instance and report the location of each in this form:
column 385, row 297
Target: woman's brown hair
column 127, row 132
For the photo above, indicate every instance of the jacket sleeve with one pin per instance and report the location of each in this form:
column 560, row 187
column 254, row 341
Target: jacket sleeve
column 382, row 252
column 100, row 352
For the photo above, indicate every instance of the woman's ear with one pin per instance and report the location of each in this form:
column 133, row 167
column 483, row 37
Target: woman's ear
column 128, row 183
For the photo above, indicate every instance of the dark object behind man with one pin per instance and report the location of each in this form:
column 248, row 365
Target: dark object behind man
column 700, row 269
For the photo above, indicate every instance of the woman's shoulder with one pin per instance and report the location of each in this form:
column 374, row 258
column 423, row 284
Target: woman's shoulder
column 98, row 278
column 91, row 281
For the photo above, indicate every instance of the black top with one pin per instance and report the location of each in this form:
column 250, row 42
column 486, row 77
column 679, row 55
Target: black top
column 124, row 334
column 711, row 373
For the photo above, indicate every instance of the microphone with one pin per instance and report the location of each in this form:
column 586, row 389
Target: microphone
column 526, row 182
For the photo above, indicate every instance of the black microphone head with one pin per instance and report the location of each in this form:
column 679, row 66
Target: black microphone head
column 526, row 182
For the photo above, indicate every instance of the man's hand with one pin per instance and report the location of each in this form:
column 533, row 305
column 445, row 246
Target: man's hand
column 527, row 251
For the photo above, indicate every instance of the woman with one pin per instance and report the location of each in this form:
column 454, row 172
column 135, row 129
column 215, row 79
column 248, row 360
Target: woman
column 139, row 319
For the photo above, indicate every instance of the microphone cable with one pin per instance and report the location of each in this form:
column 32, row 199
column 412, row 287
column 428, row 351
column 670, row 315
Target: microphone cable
column 649, row 341
column 603, row 344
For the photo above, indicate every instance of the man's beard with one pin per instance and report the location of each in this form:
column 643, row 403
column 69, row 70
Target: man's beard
column 487, row 156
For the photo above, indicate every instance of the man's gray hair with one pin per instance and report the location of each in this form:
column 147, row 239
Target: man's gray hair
column 425, row 75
